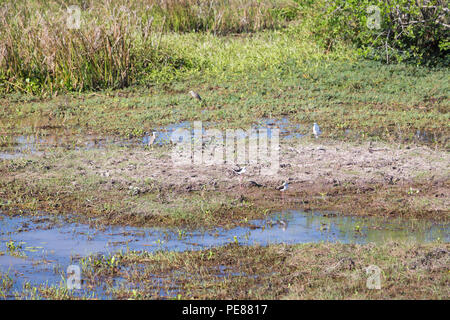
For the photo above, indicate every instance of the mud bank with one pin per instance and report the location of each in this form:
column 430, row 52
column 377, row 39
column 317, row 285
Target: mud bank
column 147, row 186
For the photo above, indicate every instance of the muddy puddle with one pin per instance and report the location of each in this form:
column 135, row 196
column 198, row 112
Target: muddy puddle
column 34, row 144
column 24, row 145
column 38, row 249
column 286, row 129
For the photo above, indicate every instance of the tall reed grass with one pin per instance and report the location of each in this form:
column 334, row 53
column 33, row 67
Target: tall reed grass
column 117, row 42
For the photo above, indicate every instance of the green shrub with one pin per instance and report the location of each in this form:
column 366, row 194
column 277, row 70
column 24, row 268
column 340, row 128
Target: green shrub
column 384, row 29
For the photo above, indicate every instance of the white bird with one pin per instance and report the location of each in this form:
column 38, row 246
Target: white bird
column 151, row 140
column 284, row 186
column 239, row 171
column 195, row 95
column 283, row 224
column 316, row 130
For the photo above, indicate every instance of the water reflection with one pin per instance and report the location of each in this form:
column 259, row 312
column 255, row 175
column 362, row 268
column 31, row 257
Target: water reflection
column 39, row 249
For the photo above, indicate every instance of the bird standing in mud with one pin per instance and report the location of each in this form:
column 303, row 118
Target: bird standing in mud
column 316, row 130
column 151, row 140
column 240, row 171
column 283, row 188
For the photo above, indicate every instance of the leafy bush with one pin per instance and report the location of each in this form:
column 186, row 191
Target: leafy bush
column 385, row 29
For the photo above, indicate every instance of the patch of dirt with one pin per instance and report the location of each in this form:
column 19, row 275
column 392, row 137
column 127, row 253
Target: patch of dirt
column 305, row 166
column 331, row 169
column 327, row 175
column 435, row 260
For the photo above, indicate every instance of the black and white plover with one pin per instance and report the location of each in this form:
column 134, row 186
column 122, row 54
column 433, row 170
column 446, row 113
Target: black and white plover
column 240, row 171
column 283, row 188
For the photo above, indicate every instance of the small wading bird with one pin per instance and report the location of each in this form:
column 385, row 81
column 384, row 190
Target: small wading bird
column 195, row 95
column 283, row 188
column 283, row 224
column 240, row 171
column 316, row 130
column 151, row 140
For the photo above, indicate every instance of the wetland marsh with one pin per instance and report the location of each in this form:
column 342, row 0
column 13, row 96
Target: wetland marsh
column 82, row 185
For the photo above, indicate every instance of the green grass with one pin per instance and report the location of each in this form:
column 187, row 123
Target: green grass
column 139, row 187
column 6, row 283
column 302, row 271
column 116, row 43
column 372, row 100
column 266, row 73
column 148, row 42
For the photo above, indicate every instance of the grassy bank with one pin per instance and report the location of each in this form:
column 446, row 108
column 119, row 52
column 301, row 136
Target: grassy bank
column 266, row 73
column 390, row 103
column 304, row 271
column 261, row 72
column 52, row 46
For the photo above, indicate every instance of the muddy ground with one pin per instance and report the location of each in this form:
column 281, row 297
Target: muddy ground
column 364, row 179
column 307, row 166
column 141, row 186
